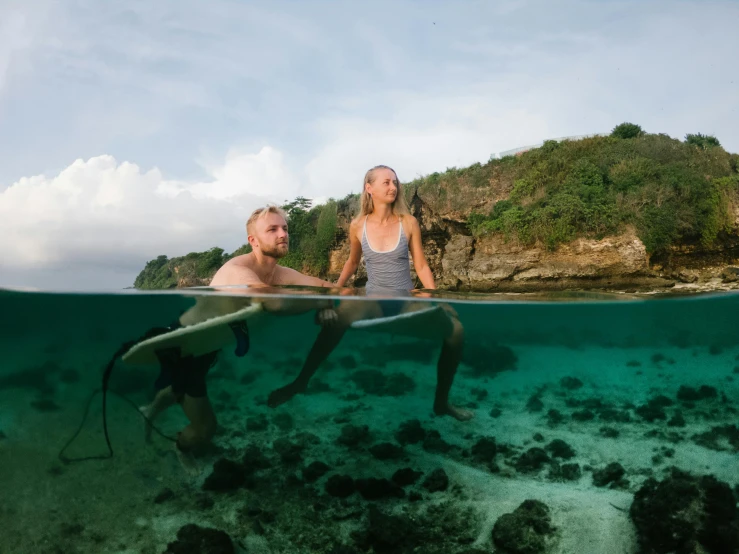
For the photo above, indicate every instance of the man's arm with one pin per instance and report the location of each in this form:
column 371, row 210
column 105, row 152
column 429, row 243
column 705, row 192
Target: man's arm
column 290, row 306
column 288, row 276
column 207, row 307
column 241, row 275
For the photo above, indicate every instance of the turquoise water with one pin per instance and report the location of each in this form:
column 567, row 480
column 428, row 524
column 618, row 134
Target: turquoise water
column 561, row 387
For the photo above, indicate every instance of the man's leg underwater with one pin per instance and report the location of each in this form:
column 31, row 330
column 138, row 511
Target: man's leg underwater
column 197, row 434
column 165, row 396
column 203, row 423
column 188, row 388
column 196, row 404
column 164, row 399
column 328, row 339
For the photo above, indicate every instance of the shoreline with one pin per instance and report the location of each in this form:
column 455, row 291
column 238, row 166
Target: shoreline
column 653, row 287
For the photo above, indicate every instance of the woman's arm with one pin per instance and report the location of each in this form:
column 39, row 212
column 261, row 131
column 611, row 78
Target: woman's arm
column 419, row 258
column 355, row 254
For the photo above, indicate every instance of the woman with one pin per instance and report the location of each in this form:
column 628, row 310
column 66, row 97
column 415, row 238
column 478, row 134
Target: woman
column 385, row 232
column 384, row 221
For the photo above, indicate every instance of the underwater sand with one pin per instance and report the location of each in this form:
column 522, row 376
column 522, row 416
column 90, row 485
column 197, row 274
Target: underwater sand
column 109, row 505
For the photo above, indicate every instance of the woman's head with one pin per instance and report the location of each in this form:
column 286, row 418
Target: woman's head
column 381, row 186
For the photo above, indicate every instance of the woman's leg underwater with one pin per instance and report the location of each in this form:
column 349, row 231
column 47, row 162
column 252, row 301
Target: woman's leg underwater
column 328, row 339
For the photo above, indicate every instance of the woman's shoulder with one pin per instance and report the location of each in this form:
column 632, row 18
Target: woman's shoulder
column 355, row 225
column 409, row 222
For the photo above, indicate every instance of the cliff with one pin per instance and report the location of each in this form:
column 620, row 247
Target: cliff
column 638, row 212
column 464, row 262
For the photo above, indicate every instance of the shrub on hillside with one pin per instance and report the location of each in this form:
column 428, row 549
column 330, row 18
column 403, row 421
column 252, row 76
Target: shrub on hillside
column 702, row 141
column 316, row 250
column 627, row 131
column 157, row 274
column 633, row 173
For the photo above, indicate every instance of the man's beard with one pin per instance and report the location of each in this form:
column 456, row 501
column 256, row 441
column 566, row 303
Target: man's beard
column 277, row 251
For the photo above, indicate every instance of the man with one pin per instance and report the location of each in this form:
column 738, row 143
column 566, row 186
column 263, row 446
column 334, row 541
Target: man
column 182, row 380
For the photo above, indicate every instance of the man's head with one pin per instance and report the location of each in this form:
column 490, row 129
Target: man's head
column 266, row 230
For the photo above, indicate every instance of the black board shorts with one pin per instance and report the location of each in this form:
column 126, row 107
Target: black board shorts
column 186, row 375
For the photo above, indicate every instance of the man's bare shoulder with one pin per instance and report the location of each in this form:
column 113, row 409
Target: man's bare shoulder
column 236, row 271
column 245, row 260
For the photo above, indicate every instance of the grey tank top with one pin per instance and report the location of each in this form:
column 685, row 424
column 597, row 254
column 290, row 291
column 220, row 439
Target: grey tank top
column 388, row 271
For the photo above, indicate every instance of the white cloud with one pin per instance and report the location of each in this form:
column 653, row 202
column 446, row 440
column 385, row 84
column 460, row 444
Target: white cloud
column 108, row 213
column 263, row 173
column 427, row 136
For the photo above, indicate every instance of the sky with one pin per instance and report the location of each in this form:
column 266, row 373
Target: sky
column 134, row 129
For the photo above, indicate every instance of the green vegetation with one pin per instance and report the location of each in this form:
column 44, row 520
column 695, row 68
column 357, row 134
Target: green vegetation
column 163, row 272
column 312, row 234
column 703, row 141
column 627, row 131
column 669, row 191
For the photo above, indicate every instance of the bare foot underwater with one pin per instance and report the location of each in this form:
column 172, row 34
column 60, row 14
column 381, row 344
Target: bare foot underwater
column 459, row 414
column 284, row 394
column 188, row 463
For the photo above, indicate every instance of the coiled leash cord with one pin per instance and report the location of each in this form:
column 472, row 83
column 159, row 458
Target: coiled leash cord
column 125, row 347
column 241, row 334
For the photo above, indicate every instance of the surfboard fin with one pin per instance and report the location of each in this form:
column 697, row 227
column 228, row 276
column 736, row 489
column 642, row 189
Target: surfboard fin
column 241, row 333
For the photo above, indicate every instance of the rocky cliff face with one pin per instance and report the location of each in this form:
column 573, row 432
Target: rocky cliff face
column 460, row 261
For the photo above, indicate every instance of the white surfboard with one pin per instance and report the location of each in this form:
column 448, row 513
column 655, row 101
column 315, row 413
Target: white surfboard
column 200, row 338
column 216, row 333
column 428, row 323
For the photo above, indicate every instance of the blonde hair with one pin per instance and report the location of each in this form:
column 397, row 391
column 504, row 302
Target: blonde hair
column 367, row 206
column 260, row 213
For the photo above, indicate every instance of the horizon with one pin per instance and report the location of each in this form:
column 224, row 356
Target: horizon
column 131, row 132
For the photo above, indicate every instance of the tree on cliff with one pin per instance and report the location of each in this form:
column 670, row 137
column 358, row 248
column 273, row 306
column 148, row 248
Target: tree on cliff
column 627, row 131
column 702, row 141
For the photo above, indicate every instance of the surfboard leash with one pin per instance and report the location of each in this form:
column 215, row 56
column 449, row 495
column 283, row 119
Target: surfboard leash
column 241, row 334
column 125, row 347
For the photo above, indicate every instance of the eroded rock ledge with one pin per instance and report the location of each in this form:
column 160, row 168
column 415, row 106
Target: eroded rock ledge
column 492, row 263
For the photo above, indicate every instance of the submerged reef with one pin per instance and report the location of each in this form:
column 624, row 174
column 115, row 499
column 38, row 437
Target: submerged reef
column 686, row 513
column 525, row 530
